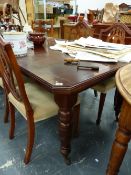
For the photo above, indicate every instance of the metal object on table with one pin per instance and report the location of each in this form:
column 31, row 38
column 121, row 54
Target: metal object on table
column 77, row 62
column 87, row 67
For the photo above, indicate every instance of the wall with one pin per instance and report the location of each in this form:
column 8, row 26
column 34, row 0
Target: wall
column 84, row 5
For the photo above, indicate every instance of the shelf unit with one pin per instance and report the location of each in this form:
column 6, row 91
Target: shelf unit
column 44, row 9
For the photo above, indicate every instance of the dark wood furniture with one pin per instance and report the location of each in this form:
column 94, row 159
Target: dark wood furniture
column 33, row 102
column 123, row 133
column 98, row 27
column 72, row 31
column 47, row 68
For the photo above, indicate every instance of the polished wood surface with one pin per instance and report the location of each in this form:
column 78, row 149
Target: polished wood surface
column 47, row 68
column 123, row 133
column 98, row 27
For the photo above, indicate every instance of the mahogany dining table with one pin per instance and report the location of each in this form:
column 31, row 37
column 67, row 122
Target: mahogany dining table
column 47, row 68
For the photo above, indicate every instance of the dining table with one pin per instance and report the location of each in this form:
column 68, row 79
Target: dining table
column 65, row 81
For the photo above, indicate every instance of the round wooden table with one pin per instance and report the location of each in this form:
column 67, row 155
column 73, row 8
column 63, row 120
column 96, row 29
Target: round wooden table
column 123, row 133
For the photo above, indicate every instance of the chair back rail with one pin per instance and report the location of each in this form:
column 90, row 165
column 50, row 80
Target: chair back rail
column 11, row 73
column 115, row 33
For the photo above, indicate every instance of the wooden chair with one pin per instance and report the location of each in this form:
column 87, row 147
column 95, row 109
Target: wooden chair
column 75, row 31
column 115, row 34
column 45, row 26
column 6, row 113
column 123, row 133
column 33, row 102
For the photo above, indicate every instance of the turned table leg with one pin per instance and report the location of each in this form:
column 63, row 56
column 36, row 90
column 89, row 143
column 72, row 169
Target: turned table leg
column 65, row 103
column 120, row 145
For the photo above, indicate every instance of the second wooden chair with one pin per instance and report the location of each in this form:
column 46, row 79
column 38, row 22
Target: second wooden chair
column 114, row 34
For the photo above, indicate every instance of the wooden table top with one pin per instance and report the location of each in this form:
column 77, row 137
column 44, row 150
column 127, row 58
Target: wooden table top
column 123, row 82
column 47, row 67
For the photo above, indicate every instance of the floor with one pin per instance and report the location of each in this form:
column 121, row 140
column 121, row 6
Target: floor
column 90, row 152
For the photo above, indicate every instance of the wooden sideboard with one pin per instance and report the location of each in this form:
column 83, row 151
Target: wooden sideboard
column 97, row 28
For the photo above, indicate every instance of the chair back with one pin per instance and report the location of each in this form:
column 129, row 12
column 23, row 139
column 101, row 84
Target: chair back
column 75, row 31
column 115, row 33
column 80, row 30
column 45, row 26
column 11, row 73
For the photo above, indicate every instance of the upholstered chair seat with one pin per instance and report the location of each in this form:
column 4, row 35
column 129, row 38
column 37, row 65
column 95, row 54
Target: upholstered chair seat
column 105, row 86
column 42, row 102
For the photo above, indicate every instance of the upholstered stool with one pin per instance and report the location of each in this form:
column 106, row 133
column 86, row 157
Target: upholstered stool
column 123, row 133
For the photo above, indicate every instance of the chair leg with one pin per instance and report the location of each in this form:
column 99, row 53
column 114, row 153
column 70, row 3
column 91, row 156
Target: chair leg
column 117, row 103
column 6, row 109
column 30, row 143
column 12, row 120
column 101, row 104
column 76, row 119
column 95, row 93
